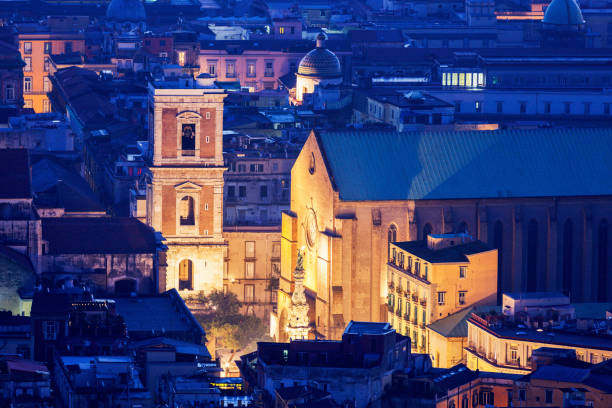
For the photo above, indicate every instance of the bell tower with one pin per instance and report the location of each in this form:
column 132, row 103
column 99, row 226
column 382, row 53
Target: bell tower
column 185, row 188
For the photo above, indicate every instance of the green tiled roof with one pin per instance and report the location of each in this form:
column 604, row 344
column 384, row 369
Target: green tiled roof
column 455, row 325
column 375, row 165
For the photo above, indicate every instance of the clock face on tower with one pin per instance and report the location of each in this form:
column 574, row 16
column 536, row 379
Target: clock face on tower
column 311, row 229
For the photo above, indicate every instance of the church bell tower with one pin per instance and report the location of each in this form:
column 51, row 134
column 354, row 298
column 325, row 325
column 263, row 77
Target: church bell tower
column 185, row 188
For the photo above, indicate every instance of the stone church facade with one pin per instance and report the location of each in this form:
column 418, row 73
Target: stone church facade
column 552, row 234
column 185, row 189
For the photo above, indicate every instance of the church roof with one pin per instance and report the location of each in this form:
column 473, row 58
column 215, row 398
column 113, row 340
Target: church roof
column 563, row 13
column 377, row 165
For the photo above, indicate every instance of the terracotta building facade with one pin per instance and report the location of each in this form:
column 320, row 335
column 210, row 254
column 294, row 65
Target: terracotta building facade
column 185, row 190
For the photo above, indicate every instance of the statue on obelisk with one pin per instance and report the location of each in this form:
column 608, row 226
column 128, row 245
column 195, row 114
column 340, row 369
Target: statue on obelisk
column 297, row 324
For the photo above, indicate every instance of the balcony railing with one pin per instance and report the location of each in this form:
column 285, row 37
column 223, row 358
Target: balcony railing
column 415, row 297
column 423, row 302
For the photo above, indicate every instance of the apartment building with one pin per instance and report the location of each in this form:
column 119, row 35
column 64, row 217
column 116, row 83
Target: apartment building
column 37, row 44
column 433, row 278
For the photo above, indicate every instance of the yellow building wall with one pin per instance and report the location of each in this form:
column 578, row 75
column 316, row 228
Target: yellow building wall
column 446, row 352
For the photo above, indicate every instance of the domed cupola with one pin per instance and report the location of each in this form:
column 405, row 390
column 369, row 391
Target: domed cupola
column 320, row 62
column 563, row 15
column 132, row 11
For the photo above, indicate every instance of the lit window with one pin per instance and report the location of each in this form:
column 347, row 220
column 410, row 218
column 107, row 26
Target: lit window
column 468, row 79
column 478, row 106
column 181, row 58
column 47, row 48
column 281, row 30
column 230, row 69
column 251, row 69
column 480, row 79
column 462, row 79
column 455, row 78
column 444, row 79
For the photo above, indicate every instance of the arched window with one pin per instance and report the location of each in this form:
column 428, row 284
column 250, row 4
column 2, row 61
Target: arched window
column 464, row 402
column 568, row 228
column 188, row 131
column 602, row 262
column 187, row 211
column 462, row 229
column 451, row 404
column 391, row 237
column 186, row 275
column 427, row 230
column 532, row 256
column 498, row 242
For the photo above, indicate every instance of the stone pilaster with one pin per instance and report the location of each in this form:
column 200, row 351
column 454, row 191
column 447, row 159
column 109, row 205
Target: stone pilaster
column 552, row 278
column 517, row 250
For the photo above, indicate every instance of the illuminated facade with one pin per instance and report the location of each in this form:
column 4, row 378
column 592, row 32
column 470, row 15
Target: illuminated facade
column 429, row 280
column 185, row 190
column 354, row 192
column 36, row 48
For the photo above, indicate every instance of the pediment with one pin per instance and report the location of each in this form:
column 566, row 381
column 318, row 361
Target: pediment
column 188, row 115
column 188, row 186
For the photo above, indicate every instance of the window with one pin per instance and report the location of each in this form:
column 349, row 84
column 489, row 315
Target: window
column 281, row 30
column 47, row 84
column 67, row 47
column 249, row 293
column 251, row 72
column 212, row 68
column 28, row 64
column 182, row 58
column 567, row 107
column 549, row 395
column 523, row 107
column 27, row 84
column 50, row 330
column 547, row 107
column 522, row 395
column 186, row 275
column 263, row 191
column 187, row 215
column 249, row 270
column 487, row 397
column 269, row 71
column 249, row 249
column 231, row 191
column 47, row 48
column 27, row 48
column 500, row 107
column 441, row 298
column 188, row 138
column 478, row 106
column 458, row 106
column 462, row 297
column 587, row 108
column 242, row 191
column 230, row 69
column 417, row 268
column 462, row 271
column 10, row 92
column 606, row 108
column 27, row 103
column 47, row 107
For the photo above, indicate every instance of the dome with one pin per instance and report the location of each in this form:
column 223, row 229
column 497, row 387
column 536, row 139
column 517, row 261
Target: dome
column 126, row 10
column 563, row 13
column 320, row 62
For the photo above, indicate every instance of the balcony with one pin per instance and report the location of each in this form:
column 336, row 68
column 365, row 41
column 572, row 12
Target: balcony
column 415, row 297
column 391, row 285
column 423, row 302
